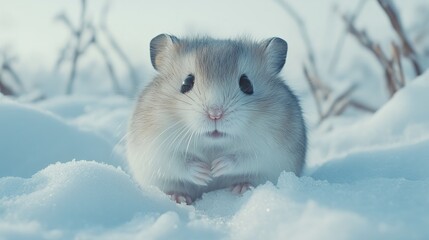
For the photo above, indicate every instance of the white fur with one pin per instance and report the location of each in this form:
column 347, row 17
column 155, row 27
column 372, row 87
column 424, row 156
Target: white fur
column 168, row 145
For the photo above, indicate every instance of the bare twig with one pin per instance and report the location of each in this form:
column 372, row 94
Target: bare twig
column 62, row 17
column 5, row 90
column 340, row 44
column 363, row 38
column 77, row 49
column 322, row 93
column 106, row 59
column 313, row 91
column 63, row 55
column 78, row 46
column 7, row 69
column 362, row 107
column 395, row 20
column 302, row 30
column 339, row 104
column 398, row 63
column 14, row 75
column 118, row 49
column 335, row 107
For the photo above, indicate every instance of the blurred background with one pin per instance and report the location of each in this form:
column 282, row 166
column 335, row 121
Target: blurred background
column 345, row 57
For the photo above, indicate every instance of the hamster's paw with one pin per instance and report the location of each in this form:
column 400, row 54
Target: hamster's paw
column 222, row 166
column 241, row 188
column 199, row 172
column 180, row 198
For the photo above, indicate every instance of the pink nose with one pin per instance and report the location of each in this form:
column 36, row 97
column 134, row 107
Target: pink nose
column 215, row 113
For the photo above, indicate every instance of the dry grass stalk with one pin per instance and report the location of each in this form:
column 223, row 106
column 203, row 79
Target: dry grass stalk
column 5, row 90
column 6, row 69
column 394, row 80
column 77, row 49
column 78, row 46
column 395, row 20
column 394, row 74
column 340, row 43
column 327, row 103
column 119, row 50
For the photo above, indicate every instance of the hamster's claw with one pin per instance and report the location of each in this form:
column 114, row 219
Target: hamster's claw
column 241, row 188
column 180, row 198
column 221, row 166
column 199, row 172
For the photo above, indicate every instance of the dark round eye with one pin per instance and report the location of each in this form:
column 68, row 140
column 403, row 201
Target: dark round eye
column 187, row 84
column 245, row 85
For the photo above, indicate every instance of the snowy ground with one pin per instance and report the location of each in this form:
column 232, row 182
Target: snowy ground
column 364, row 180
column 62, row 168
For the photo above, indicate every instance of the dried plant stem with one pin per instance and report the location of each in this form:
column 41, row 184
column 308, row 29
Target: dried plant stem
column 7, row 69
column 77, row 49
column 5, row 90
column 302, row 30
column 119, row 51
column 107, row 61
column 340, row 44
column 79, row 46
column 395, row 20
column 391, row 76
column 321, row 92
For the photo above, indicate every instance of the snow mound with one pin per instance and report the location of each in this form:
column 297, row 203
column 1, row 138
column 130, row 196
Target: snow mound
column 361, row 190
column 272, row 213
column 87, row 198
column 407, row 161
column 78, row 194
column 106, row 116
column 402, row 120
column 32, row 139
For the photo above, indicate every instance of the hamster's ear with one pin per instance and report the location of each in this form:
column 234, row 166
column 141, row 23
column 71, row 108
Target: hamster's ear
column 275, row 50
column 159, row 46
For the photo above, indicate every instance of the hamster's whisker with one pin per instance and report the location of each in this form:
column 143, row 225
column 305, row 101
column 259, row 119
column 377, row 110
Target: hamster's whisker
column 258, row 110
column 120, row 141
column 176, row 133
column 165, row 130
column 250, row 101
column 187, row 95
column 170, row 96
column 237, row 98
column 175, row 145
column 186, row 109
column 232, row 101
column 164, row 142
column 183, row 137
column 175, row 98
column 187, row 146
column 199, row 95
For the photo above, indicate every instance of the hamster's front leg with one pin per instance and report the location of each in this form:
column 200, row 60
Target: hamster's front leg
column 194, row 171
column 199, row 172
column 223, row 166
column 228, row 165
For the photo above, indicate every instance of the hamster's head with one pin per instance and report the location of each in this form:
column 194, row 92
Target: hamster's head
column 219, row 90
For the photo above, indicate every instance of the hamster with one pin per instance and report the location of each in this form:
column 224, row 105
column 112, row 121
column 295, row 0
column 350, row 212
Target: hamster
column 217, row 115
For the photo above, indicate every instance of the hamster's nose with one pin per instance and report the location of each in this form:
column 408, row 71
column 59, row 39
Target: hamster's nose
column 215, row 113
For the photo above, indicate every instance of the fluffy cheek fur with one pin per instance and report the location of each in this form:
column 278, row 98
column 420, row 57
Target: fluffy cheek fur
column 265, row 131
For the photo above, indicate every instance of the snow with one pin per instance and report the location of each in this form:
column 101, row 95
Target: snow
column 44, row 139
column 371, row 183
column 62, row 168
column 402, row 120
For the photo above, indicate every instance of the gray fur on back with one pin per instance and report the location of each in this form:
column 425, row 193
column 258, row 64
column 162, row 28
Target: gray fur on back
column 264, row 132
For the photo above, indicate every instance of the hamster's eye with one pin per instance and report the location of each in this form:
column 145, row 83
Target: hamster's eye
column 245, row 85
column 187, row 84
